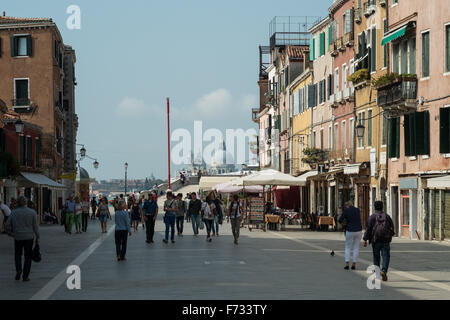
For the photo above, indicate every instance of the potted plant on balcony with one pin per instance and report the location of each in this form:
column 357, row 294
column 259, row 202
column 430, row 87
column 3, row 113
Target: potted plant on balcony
column 314, row 156
column 359, row 77
column 9, row 165
column 392, row 78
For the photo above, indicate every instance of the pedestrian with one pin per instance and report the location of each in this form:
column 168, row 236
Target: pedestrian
column 150, row 214
column 234, row 213
column 78, row 214
column 13, row 204
column 123, row 229
column 181, row 213
column 103, row 214
column 85, row 214
column 22, row 225
column 351, row 220
column 194, row 208
column 218, row 218
column 136, row 214
column 70, row 213
column 379, row 232
column 170, row 207
column 115, row 203
column 208, row 214
column 6, row 213
column 93, row 207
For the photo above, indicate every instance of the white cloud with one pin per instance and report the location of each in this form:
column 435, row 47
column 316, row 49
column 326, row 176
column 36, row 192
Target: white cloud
column 248, row 101
column 132, row 107
column 214, row 103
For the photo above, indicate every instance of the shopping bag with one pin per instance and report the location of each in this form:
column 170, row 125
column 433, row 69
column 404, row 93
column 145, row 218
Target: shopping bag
column 202, row 225
column 36, row 256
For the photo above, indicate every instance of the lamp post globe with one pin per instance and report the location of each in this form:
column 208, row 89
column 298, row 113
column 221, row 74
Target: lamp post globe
column 83, row 152
column 96, row 164
column 19, row 126
column 360, row 130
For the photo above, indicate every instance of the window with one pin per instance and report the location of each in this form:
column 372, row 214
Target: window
column 21, row 46
column 330, row 85
column 384, row 136
column 336, row 136
column 417, row 129
column 361, row 121
column 404, row 57
column 296, row 102
column 394, row 138
column 369, row 128
column 447, row 48
column 344, row 131
column 373, row 50
column 321, row 139
column 351, row 129
column 426, row 54
column 412, row 55
column 22, row 147
column 336, row 80
column 344, row 76
column 29, row 152
column 330, row 138
column 300, row 100
column 348, row 23
column 444, row 129
column 21, row 93
column 395, row 57
column 38, row 150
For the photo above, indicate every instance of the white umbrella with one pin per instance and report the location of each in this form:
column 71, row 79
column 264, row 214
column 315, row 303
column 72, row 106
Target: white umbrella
column 271, row 177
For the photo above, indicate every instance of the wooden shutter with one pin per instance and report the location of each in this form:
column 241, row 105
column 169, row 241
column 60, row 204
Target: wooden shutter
column 397, row 138
column 311, row 49
column 425, row 54
column 444, row 130
column 330, row 37
column 373, row 49
column 322, row 44
column 29, row 46
column 13, row 46
column 421, row 133
column 407, row 135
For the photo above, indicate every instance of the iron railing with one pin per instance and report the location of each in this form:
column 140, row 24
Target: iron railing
column 397, row 93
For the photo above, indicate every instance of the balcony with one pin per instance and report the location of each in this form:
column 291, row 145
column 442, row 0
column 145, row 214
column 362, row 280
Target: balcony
column 341, row 155
column 338, row 97
column 358, row 15
column 340, row 44
column 22, row 105
column 348, row 39
column 333, row 49
column 255, row 113
column 398, row 97
column 369, row 7
column 349, row 94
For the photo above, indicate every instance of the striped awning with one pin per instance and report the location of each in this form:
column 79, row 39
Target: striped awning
column 394, row 35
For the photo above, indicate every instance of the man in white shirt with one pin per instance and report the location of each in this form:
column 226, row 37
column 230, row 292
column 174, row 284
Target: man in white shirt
column 6, row 212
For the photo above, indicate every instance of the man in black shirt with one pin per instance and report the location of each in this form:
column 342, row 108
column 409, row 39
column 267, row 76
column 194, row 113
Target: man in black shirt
column 193, row 213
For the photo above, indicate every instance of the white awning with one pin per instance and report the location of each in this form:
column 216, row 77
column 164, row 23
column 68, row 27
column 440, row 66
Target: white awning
column 352, row 168
column 440, row 182
column 42, row 180
column 304, row 176
column 208, row 182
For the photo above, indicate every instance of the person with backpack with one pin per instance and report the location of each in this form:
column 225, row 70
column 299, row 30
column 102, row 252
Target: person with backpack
column 351, row 220
column 379, row 232
column 194, row 208
column 181, row 204
column 234, row 213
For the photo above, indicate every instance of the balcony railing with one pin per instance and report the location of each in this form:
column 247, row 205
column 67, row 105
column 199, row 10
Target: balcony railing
column 399, row 97
column 21, row 102
column 348, row 39
column 333, row 49
column 340, row 44
column 287, row 166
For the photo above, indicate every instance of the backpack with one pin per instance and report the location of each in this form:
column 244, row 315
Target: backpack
column 382, row 231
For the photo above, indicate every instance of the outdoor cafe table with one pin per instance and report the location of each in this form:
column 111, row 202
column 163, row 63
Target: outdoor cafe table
column 327, row 220
column 272, row 219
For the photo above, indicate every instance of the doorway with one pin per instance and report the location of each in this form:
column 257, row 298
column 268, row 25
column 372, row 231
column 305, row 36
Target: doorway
column 405, row 210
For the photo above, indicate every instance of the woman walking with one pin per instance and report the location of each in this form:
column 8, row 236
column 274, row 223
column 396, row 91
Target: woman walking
column 208, row 214
column 78, row 214
column 122, row 231
column 218, row 217
column 234, row 213
column 136, row 214
column 351, row 220
column 103, row 213
column 181, row 213
column 171, row 208
column 85, row 209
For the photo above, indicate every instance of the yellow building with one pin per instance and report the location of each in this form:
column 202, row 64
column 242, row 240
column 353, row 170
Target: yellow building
column 370, row 63
column 301, row 121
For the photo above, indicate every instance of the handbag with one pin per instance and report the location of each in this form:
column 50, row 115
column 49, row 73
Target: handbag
column 202, row 225
column 36, row 255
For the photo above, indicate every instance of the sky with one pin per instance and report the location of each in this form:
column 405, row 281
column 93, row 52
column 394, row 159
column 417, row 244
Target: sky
column 133, row 54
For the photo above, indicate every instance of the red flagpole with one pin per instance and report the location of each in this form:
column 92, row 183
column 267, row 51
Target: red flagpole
column 168, row 137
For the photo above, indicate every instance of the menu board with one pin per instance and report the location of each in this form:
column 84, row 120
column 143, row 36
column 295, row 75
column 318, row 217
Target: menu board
column 256, row 211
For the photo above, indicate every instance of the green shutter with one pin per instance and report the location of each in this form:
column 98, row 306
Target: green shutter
column 407, row 131
column 311, row 49
column 329, row 37
column 373, row 50
column 397, row 138
column 29, row 46
column 13, row 46
column 391, row 142
column 421, row 132
column 425, row 54
column 322, row 44
column 444, row 134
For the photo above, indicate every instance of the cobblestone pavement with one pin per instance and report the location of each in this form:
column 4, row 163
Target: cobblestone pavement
column 265, row 265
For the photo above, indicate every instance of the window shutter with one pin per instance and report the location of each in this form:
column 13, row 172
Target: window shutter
column 329, row 37
column 397, row 138
column 13, row 47
column 407, row 136
column 373, row 49
column 311, row 49
column 421, row 133
column 391, row 142
column 444, row 123
column 425, row 54
column 29, row 46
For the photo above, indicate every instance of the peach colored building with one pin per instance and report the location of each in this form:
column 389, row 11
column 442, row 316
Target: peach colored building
column 419, row 106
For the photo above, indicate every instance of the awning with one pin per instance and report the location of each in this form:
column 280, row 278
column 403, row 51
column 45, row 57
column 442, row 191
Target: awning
column 352, row 168
column 440, row 182
column 304, row 176
column 42, row 180
column 208, row 182
column 397, row 33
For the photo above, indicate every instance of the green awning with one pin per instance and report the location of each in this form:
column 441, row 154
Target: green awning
column 394, row 35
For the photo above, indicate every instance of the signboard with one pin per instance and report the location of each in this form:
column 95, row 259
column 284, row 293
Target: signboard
column 256, row 210
column 373, row 160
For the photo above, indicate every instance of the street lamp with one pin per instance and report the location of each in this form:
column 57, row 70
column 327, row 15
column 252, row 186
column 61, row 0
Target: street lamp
column 19, row 126
column 96, row 164
column 83, row 152
column 126, row 169
column 360, row 130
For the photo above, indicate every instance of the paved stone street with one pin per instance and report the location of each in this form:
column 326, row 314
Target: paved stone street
column 265, row 265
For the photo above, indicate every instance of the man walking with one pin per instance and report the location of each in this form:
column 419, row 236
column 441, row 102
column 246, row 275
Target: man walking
column 379, row 232
column 171, row 208
column 181, row 204
column 195, row 205
column 23, row 227
column 351, row 219
column 235, row 213
column 94, row 207
column 150, row 214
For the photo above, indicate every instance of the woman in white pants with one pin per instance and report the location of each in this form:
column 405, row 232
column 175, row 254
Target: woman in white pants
column 351, row 220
